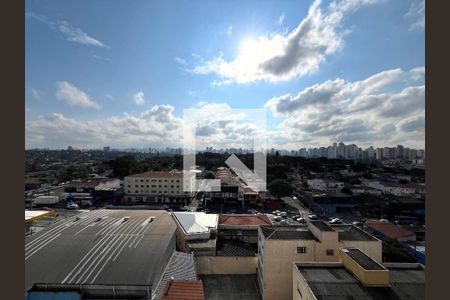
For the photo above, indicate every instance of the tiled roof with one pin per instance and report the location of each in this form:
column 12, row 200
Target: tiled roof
column 163, row 174
column 180, row 266
column 184, row 290
column 244, row 220
column 389, row 230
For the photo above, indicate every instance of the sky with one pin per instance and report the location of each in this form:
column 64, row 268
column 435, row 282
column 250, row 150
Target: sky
column 124, row 73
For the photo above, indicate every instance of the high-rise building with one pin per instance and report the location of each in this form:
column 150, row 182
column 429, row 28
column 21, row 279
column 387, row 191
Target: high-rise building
column 399, row 151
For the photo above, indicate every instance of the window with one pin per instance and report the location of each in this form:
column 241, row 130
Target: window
column 136, row 186
column 301, row 249
column 329, row 252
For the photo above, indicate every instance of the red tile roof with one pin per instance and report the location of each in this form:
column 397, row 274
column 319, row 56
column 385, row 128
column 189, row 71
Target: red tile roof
column 163, row 174
column 244, row 220
column 184, row 290
column 389, row 230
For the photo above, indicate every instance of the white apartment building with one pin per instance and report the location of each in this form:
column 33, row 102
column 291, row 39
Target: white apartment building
column 325, row 184
column 159, row 187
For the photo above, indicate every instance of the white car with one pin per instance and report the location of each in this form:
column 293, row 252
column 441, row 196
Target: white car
column 71, row 205
column 293, row 197
column 277, row 218
column 301, row 220
column 335, row 221
column 384, row 220
column 312, row 217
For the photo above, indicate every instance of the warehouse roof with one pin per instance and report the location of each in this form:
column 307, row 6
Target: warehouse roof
column 101, row 247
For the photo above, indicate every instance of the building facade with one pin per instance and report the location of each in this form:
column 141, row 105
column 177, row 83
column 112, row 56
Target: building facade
column 159, row 187
column 280, row 246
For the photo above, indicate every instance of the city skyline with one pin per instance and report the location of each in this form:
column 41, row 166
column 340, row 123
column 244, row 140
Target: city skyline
column 325, row 71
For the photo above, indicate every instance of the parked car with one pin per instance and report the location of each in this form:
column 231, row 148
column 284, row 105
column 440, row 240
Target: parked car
column 301, row 220
column 277, row 218
column 283, row 214
column 312, row 217
column 335, row 221
column 72, row 205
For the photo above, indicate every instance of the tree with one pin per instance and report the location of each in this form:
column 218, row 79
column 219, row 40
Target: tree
column 209, row 175
column 280, row 188
column 124, row 165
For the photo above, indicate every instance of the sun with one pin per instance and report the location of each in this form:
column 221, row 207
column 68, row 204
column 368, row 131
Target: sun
column 249, row 47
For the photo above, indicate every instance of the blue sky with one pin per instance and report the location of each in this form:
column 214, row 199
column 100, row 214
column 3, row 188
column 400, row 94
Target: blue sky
column 120, row 73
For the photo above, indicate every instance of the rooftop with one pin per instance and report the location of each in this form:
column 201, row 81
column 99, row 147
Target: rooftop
column 184, row 290
column 102, row 246
column 388, row 229
column 334, row 282
column 322, row 226
column 362, row 259
column 352, row 233
column 292, row 232
column 254, row 220
column 230, row 287
column 180, row 267
column 158, row 174
column 196, row 222
column 345, row 232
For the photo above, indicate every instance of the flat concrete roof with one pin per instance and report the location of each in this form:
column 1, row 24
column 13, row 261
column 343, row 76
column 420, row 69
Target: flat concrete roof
column 99, row 247
column 335, row 282
column 230, row 287
column 362, row 259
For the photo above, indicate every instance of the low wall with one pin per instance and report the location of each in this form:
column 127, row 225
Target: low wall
column 208, row 265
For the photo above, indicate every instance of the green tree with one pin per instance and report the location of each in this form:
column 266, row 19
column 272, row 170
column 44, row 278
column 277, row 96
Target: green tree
column 280, row 188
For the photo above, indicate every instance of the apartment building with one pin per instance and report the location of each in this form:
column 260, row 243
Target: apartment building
column 279, row 246
column 159, row 187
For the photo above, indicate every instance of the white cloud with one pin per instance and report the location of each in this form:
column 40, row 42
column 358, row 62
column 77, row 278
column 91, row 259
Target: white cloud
column 71, row 33
column 370, row 111
column 284, row 56
column 280, row 20
column 36, row 94
column 180, row 61
column 74, row 96
column 156, row 126
column 416, row 14
column 139, row 98
column 230, row 30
